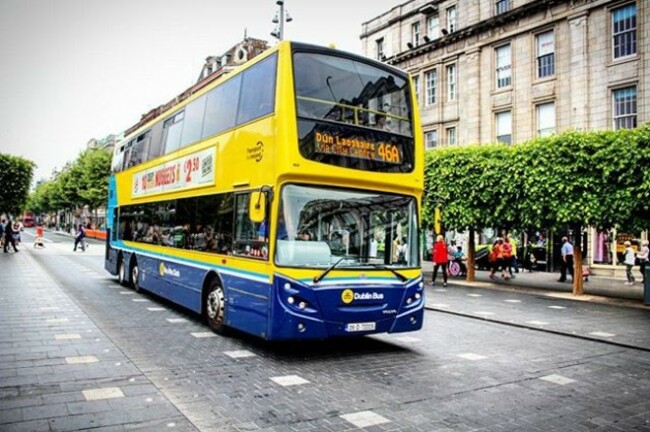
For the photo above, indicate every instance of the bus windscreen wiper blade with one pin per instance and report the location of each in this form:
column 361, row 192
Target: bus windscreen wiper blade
column 327, row 270
column 399, row 275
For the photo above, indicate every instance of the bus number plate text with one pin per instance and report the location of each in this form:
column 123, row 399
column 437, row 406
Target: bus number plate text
column 357, row 327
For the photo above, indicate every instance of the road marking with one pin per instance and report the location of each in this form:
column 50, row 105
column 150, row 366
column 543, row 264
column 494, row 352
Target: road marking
column 127, row 293
column 176, row 320
column 289, row 380
column 539, row 323
column 239, row 354
column 557, row 379
column 363, row 419
column 203, row 334
column 103, row 393
column 484, row 313
column 512, row 301
column 438, row 305
column 67, row 336
column 602, row 334
column 475, row 295
column 471, row 356
column 556, row 307
column 140, row 300
column 156, row 309
column 81, row 359
column 408, row 339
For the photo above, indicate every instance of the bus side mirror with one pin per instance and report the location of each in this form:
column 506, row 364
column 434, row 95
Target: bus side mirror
column 257, row 207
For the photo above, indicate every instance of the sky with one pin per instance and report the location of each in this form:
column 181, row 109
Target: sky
column 72, row 70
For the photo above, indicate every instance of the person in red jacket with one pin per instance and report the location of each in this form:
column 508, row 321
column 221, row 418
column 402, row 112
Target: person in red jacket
column 440, row 259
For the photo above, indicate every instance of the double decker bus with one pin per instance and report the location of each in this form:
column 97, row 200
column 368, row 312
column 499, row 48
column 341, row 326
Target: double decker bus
column 282, row 199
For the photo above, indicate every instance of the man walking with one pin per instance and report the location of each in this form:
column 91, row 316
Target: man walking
column 9, row 236
column 567, row 259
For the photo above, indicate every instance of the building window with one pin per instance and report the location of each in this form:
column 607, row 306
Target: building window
column 416, row 86
column 504, row 127
column 415, row 33
column 451, row 136
column 432, row 82
column 504, row 70
column 380, row 49
column 433, row 27
column 624, row 30
column 545, row 119
column 451, row 19
column 451, row 82
column 502, row 6
column 545, row 54
column 624, row 108
column 431, row 140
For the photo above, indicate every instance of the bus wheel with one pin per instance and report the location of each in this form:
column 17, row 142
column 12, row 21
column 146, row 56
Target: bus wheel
column 121, row 272
column 134, row 276
column 215, row 307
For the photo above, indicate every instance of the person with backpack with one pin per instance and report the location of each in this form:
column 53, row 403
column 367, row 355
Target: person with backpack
column 79, row 238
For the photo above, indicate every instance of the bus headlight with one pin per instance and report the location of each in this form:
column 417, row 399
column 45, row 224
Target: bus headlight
column 291, row 300
column 302, row 305
column 417, row 296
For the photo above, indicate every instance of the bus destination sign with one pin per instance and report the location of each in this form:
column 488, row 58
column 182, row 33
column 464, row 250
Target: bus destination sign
column 187, row 172
column 328, row 143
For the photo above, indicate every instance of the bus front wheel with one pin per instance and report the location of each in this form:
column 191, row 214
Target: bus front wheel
column 134, row 277
column 215, row 307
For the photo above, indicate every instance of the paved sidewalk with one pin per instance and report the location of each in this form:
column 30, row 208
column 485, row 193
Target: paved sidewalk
column 59, row 371
column 597, row 289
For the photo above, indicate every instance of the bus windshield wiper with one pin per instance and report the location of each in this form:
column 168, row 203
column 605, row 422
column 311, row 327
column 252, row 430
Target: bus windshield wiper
column 399, row 275
column 328, row 269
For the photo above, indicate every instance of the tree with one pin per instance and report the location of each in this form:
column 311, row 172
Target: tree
column 15, row 179
column 563, row 182
column 95, row 170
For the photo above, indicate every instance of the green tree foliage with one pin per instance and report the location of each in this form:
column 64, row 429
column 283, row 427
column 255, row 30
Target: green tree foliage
column 82, row 182
column 15, row 179
column 568, row 180
column 562, row 182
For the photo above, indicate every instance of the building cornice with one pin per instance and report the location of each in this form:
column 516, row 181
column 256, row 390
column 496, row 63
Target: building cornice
column 494, row 22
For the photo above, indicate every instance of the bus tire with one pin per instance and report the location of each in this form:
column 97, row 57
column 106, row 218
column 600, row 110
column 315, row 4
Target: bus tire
column 215, row 307
column 135, row 274
column 121, row 272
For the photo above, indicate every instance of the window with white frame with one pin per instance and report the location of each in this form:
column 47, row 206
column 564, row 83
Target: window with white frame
column 502, row 6
column 451, row 136
column 545, row 119
column 545, row 54
column 624, row 30
column 430, row 139
column 416, row 86
column 380, row 49
column 451, row 82
column 625, row 109
column 433, row 27
column 504, row 127
column 415, row 33
column 504, row 69
column 431, row 84
column 451, row 19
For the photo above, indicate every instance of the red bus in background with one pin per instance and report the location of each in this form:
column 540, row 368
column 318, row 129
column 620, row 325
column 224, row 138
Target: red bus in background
column 28, row 220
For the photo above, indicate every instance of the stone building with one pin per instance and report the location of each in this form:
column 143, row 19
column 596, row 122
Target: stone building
column 511, row 70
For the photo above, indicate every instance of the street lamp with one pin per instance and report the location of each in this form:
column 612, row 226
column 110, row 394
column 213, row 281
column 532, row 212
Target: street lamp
column 280, row 18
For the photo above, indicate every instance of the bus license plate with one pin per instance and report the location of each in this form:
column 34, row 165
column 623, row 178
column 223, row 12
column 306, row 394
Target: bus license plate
column 357, row 327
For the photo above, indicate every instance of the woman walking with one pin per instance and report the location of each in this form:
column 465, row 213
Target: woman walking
column 629, row 262
column 440, row 259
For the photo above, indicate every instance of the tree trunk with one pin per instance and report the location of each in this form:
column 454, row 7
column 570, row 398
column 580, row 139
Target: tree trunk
column 471, row 246
column 578, row 288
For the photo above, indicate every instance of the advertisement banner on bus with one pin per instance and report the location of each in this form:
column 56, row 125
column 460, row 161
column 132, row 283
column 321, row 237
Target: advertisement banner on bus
column 187, row 172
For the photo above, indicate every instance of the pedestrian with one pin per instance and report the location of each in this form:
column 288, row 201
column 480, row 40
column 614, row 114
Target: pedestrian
column 628, row 260
column 440, row 259
column 506, row 251
column 79, row 238
column 38, row 239
column 9, row 237
column 567, row 259
column 643, row 256
column 2, row 232
column 496, row 258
